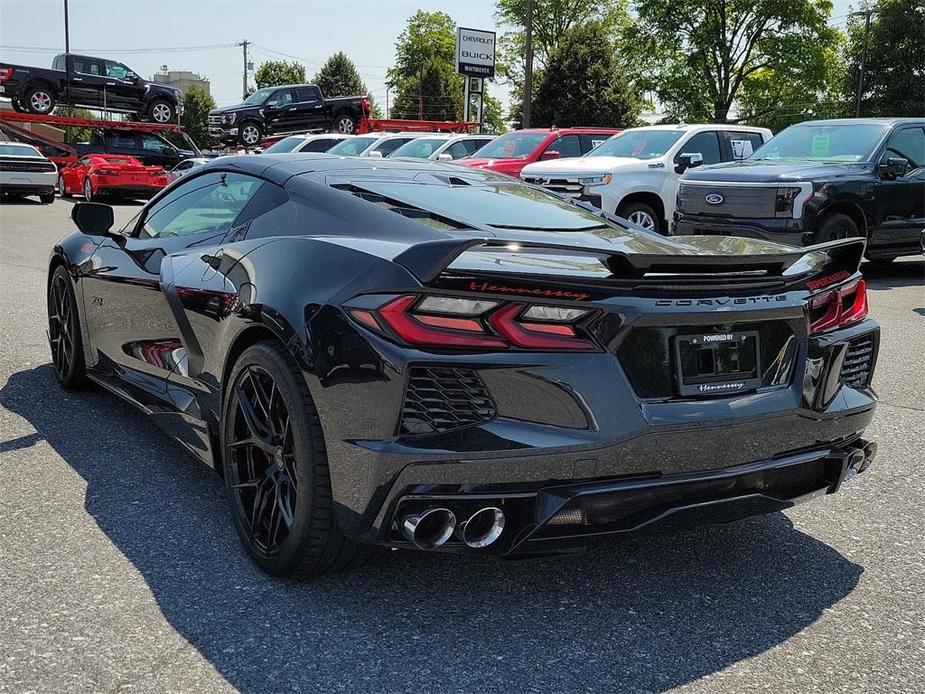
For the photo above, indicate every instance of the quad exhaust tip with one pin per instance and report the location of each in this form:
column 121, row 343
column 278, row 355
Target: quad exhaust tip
column 430, row 528
column 482, row 528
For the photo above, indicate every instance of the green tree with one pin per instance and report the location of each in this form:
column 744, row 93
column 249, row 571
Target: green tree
column 339, row 77
column 551, row 19
column 701, row 57
column 894, row 78
column 197, row 103
column 583, row 84
column 75, row 134
column 275, row 72
column 424, row 75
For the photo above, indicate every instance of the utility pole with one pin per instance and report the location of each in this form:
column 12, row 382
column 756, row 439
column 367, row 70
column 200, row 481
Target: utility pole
column 67, row 34
column 867, row 15
column 244, row 44
column 528, row 69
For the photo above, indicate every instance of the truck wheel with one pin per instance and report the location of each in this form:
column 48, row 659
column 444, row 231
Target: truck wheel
column 641, row 215
column 249, row 135
column 40, row 100
column 161, row 111
column 345, row 123
column 836, row 226
column 17, row 106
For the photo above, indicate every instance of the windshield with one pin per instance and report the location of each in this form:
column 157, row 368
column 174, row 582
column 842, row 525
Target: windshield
column 259, row 96
column 352, row 146
column 287, row 144
column 420, row 148
column 19, row 151
column 515, row 145
column 820, row 142
column 637, row 144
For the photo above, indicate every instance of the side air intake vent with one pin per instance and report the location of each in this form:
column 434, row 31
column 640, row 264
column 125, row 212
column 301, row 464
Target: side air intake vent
column 857, row 365
column 440, row 399
column 424, row 216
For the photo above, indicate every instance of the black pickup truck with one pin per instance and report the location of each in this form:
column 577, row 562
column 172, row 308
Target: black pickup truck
column 77, row 80
column 290, row 108
column 817, row 181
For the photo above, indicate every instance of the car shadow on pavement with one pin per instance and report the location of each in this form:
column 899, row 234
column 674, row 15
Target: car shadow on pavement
column 642, row 614
column 900, row 273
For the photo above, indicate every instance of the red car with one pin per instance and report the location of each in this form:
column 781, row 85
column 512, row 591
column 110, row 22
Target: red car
column 110, row 175
column 511, row 152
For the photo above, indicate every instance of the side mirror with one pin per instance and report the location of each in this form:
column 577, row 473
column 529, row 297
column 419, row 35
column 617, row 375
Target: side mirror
column 550, row 154
column 893, row 167
column 93, row 218
column 688, row 160
column 443, row 156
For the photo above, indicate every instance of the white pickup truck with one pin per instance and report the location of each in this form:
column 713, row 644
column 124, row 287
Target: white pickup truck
column 635, row 173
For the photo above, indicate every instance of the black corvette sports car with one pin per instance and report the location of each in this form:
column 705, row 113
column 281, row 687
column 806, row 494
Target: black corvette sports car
column 413, row 354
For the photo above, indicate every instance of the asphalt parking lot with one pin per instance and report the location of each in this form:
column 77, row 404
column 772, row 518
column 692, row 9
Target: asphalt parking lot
column 120, row 569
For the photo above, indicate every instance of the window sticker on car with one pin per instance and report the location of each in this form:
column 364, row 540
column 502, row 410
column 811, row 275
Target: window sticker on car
column 595, row 141
column 819, row 147
column 741, row 149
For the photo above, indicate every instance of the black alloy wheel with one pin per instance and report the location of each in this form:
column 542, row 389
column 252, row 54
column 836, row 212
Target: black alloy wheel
column 64, row 331
column 837, row 226
column 275, row 469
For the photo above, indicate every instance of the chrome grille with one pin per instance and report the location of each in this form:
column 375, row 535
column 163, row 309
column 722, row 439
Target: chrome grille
column 440, row 399
column 215, row 120
column 858, row 363
column 755, row 202
column 564, row 186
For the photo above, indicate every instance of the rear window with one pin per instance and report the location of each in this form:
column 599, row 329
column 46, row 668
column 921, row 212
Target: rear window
column 352, row 146
column 503, row 205
column 19, row 151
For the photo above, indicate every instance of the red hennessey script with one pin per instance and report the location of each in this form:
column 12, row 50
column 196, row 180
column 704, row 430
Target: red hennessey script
column 530, row 291
column 828, row 279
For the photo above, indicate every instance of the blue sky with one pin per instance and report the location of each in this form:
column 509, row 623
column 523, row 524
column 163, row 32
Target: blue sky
column 136, row 31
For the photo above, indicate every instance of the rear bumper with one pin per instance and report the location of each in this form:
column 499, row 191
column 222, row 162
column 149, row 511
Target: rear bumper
column 28, row 183
column 27, row 188
column 571, row 516
column 129, row 191
column 789, row 231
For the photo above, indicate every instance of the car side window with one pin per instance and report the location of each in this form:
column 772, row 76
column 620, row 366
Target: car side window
column 566, row 146
column 204, row 204
column 910, row 145
column 390, row 146
column 125, row 141
column 309, row 94
column 281, row 98
column 116, row 70
column 741, row 144
column 458, row 150
column 153, row 144
column 87, row 66
column 706, row 143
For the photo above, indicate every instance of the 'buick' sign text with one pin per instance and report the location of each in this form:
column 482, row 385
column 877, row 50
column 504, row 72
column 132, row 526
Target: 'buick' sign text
column 475, row 52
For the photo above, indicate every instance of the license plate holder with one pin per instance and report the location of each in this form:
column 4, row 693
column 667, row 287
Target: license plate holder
column 718, row 363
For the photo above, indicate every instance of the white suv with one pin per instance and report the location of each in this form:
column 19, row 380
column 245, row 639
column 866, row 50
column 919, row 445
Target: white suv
column 635, row 173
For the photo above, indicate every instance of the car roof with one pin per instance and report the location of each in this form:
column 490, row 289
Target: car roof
column 865, row 121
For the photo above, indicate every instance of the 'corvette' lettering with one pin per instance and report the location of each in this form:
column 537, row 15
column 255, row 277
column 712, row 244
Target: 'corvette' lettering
column 738, row 301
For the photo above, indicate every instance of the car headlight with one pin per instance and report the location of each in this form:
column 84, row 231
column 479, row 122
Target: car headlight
column 783, row 204
column 230, row 118
column 601, row 180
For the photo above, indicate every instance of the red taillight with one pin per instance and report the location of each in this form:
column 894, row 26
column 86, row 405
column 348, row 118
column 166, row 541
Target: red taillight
column 476, row 323
column 5, row 73
column 838, row 308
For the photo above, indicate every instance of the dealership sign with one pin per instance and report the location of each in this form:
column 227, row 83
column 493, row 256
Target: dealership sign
column 475, row 52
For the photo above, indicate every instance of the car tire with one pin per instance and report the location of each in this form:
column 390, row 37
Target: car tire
column 250, row 133
column 62, row 189
column 345, row 124
column 161, row 111
column 642, row 215
column 40, row 99
column 47, row 198
column 89, row 195
column 273, row 451
column 17, row 106
column 64, row 334
column 836, row 226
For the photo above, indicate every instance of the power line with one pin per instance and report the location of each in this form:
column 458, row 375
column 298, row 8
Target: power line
column 163, row 49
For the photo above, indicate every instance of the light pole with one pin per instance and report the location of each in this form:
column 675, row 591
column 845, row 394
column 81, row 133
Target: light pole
column 67, row 37
column 244, row 44
column 867, row 15
column 528, row 68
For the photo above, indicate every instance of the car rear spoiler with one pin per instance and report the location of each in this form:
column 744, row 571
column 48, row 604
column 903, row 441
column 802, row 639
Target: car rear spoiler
column 428, row 259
